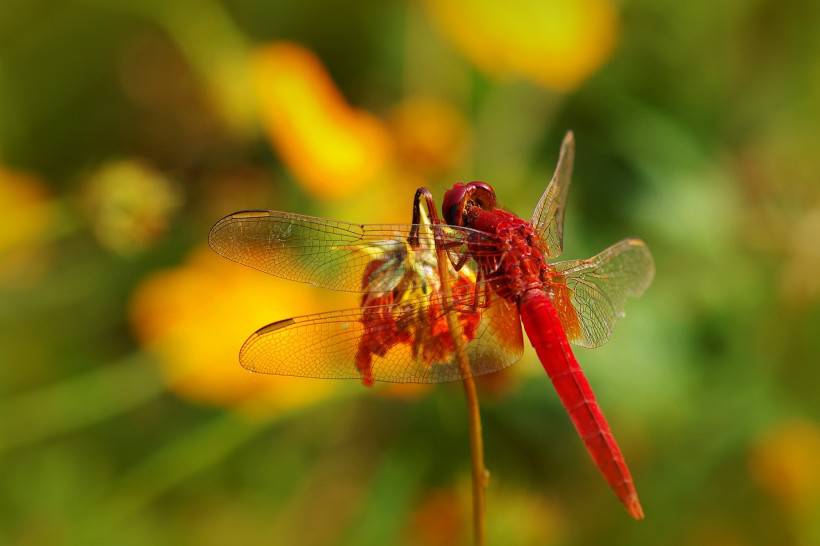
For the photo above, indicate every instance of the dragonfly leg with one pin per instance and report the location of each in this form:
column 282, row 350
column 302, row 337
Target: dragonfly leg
column 422, row 193
column 478, row 288
column 432, row 213
column 486, row 293
column 461, row 261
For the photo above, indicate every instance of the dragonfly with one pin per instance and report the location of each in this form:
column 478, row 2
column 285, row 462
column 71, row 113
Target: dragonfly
column 427, row 289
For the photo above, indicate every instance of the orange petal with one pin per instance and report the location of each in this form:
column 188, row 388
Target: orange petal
column 331, row 148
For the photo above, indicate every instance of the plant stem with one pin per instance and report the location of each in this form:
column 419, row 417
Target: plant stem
column 480, row 473
column 476, row 445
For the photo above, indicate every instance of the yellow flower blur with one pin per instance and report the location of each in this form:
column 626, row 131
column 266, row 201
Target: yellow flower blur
column 129, row 204
column 331, row 148
column 27, row 214
column 25, row 208
column 196, row 317
column 555, row 43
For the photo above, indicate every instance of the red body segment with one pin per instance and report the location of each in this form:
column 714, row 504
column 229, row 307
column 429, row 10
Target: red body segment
column 544, row 329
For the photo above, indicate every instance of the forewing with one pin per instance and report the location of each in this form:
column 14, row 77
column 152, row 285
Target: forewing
column 598, row 288
column 337, row 344
column 548, row 217
column 324, row 252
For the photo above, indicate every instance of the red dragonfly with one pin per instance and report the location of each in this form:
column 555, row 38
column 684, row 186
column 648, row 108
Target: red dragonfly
column 498, row 276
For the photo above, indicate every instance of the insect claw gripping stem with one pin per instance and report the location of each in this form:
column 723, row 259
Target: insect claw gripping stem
column 432, row 213
column 422, row 193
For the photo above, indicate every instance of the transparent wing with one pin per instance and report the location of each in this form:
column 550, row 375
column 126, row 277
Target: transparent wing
column 590, row 295
column 548, row 217
column 330, row 253
column 406, row 342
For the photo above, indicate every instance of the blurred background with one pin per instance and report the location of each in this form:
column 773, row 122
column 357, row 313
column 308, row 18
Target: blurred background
column 127, row 130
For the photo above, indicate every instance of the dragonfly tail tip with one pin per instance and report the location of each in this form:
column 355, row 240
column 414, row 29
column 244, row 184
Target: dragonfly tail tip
column 633, row 506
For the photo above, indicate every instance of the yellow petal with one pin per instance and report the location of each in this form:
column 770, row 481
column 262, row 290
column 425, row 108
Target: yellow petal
column 196, row 316
column 555, row 43
column 331, row 148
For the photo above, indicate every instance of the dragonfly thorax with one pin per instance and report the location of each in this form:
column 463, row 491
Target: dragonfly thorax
column 519, row 265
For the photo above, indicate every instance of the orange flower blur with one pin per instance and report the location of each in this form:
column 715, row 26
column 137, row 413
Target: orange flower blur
column 26, row 208
column 439, row 518
column 331, row 148
column 555, row 43
column 196, row 316
column 785, row 462
column 431, row 134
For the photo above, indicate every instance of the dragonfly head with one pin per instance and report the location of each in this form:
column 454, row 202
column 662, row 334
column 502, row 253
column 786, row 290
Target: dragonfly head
column 462, row 198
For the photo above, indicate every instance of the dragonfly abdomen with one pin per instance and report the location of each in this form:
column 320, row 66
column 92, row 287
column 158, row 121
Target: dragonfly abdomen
column 544, row 329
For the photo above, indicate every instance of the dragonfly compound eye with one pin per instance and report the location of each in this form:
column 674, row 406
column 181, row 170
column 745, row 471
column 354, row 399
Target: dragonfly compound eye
column 452, row 208
column 481, row 194
column 462, row 197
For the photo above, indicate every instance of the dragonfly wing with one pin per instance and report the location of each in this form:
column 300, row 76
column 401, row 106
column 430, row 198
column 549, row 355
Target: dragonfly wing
column 548, row 217
column 499, row 341
column 404, row 342
column 591, row 294
column 330, row 253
